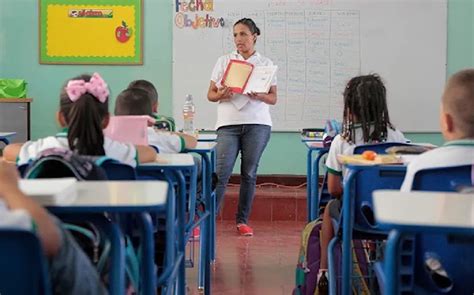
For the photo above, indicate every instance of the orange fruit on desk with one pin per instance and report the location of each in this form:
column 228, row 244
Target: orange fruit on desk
column 369, row 155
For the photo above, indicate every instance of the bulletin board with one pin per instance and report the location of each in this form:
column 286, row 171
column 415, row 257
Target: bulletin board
column 91, row 31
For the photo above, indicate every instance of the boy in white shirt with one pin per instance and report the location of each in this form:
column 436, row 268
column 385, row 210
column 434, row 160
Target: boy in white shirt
column 70, row 270
column 136, row 102
column 162, row 122
column 457, row 126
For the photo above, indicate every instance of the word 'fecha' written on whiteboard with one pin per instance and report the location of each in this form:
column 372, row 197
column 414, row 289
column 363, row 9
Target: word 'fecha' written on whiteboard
column 318, row 45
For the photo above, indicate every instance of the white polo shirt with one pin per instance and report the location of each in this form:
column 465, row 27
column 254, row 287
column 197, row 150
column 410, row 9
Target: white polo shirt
column 165, row 142
column 453, row 153
column 255, row 111
column 122, row 152
column 340, row 146
column 15, row 219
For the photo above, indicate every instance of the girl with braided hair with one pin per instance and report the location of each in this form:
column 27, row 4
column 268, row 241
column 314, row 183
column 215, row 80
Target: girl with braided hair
column 365, row 120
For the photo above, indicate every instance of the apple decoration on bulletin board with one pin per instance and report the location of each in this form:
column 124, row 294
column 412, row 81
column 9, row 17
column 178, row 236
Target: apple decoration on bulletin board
column 123, row 32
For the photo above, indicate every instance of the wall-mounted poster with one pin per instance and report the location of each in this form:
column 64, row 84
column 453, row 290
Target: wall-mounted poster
column 91, row 31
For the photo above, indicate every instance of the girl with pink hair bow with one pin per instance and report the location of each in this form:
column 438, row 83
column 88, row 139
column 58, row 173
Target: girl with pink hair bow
column 83, row 113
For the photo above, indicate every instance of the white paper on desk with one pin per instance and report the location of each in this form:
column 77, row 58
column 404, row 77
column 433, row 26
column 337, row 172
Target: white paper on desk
column 50, row 191
column 261, row 79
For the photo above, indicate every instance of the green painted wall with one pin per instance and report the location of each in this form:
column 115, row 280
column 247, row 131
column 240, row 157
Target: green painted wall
column 284, row 154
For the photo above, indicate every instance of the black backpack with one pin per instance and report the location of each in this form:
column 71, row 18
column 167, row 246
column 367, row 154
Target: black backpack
column 60, row 163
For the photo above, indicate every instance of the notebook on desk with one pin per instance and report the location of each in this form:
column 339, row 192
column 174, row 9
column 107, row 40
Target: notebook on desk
column 50, row 191
column 128, row 129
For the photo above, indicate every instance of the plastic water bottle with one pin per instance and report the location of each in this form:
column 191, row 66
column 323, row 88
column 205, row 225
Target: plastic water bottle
column 188, row 115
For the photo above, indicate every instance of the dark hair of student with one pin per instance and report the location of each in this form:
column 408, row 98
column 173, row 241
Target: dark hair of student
column 365, row 105
column 133, row 102
column 84, row 119
column 148, row 87
column 250, row 24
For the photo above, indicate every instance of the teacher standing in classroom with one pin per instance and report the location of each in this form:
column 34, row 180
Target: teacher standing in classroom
column 245, row 129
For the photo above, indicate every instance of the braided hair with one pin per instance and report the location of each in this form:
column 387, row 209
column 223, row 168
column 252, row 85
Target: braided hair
column 365, row 105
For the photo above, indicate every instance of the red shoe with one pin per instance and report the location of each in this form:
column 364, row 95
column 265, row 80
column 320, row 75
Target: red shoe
column 196, row 233
column 244, row 230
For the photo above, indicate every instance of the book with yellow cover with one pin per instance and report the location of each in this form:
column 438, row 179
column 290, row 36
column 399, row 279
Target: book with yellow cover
column 237, row 75
column 378, row 160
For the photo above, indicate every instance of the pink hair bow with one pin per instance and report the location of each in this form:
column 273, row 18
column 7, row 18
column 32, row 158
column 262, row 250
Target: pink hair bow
column 96, row 86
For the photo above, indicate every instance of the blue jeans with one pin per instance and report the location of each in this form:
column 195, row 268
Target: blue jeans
column 250, row 140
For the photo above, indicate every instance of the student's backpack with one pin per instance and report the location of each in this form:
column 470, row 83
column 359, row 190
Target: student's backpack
column 309, row 258
column 165, row 123
column 60, row 163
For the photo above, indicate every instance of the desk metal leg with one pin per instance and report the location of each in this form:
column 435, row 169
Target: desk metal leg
column 181, row 229
column 118, row 260
column 315, row 201
column 173, row 258
column 309, row 174
column 214, row 207
column 391, row 263
column 332, row 266
column 314, row 210
column 148, row 281
column 347, row 221
column 207, row 237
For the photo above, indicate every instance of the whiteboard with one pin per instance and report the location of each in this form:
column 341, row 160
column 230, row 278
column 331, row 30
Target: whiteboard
column 318, row 46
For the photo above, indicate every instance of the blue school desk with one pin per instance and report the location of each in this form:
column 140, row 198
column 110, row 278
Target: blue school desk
column 443, row 213
column 209, row 137
column 136, row 197
column 312, row 174
column 175, row 167
column 6, row 137
column 207, row 152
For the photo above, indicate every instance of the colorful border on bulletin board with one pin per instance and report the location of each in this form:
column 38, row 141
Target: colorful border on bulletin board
column 91, row 32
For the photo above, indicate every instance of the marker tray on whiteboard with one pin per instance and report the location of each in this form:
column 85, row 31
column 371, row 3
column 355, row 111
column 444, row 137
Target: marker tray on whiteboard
column 317, row 133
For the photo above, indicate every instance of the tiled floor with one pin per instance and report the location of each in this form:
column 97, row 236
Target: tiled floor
column 270, row 204
column 262, row 264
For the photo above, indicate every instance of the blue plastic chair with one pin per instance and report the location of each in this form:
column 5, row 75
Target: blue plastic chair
column 454, row 250
column 116, row 170
column 447, row 179
column 379, row 148
column 357, row 218
column 23, row 267
column 322, row 193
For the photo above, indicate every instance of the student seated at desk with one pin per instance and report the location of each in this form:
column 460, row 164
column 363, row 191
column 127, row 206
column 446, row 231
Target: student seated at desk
column 83, row 110
column 135, row 102
column 457, row 126
column 70, row 270
column 365, row 120
column 162, row 122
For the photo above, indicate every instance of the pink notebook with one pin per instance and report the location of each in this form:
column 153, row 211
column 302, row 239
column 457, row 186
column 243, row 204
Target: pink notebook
column 128, row 129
